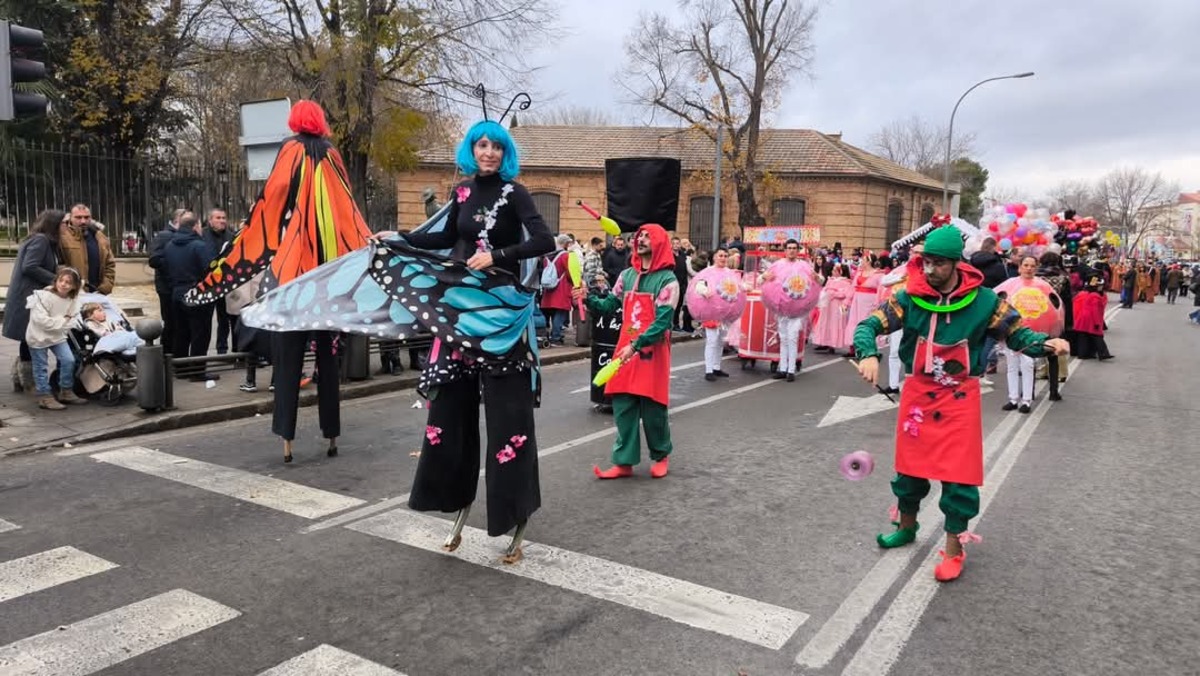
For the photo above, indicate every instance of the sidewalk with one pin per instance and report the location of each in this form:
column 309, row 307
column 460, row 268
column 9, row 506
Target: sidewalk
column 27, row 428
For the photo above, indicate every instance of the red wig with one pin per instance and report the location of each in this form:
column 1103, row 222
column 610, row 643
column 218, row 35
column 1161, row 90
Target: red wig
column 308, row 118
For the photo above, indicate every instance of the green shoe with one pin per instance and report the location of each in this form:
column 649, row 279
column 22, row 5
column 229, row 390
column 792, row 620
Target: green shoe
column 898, row 538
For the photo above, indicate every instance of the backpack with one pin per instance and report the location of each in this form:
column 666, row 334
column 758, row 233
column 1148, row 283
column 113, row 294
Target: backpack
column 550, row 273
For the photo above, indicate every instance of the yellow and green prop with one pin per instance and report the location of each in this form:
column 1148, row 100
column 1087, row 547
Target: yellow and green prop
column 605, row 374
column 608, row 225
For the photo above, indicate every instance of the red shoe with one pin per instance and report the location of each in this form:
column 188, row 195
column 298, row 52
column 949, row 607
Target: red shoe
column 659, row 469
column 950, row 567
column 614, row 472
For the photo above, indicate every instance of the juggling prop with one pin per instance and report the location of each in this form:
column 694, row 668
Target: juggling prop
column 575, row 272
column 605, row 374
column 608, row 225
column 1034, row 299
column 793, row 290
column 716, row 295
column 856, row 466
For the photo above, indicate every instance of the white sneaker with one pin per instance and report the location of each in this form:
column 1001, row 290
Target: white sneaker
column 984, row 380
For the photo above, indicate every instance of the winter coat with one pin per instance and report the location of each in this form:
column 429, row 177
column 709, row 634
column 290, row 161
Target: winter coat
column 36, row 264
column 186, row 260
column 158, row 247
column 614, row 262
column 50, row 318
column 216, row 241
column 73, row 243
column 558, row 298
column 992, row 265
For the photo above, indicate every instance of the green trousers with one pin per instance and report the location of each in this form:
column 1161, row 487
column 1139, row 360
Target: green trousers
column 628, row 409
column 960, row 503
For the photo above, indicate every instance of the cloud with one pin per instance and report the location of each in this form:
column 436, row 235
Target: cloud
column 1116, row 81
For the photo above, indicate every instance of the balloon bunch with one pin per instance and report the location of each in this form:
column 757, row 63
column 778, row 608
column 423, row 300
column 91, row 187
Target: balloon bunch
column 1078, row 235
column 1018, row 226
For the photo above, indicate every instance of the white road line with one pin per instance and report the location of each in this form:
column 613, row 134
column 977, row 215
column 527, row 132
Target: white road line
column 36, row 572
column 284, row 496
column 745, row 619
column 692, row 364
column 6, row 526
column 326, row 660
column 110, row 638
column 558, row 448
column 883, row 646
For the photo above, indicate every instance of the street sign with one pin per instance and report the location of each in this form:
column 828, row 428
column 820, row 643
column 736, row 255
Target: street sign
column 264, row 128
column 17, row 45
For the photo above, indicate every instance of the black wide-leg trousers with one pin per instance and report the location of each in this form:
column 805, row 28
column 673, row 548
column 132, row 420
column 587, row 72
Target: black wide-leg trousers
column 448, row 469
column 287, row 356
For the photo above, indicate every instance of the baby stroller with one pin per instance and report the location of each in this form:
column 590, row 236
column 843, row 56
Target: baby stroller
column 101, row 374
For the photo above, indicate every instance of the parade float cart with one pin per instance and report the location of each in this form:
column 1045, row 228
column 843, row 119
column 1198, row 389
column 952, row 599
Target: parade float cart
column 758, row 338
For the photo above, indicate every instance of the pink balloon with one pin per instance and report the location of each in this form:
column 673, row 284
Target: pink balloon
column 1019, row 210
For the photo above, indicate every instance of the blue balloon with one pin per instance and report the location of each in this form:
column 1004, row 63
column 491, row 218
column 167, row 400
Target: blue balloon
column 1005, row 244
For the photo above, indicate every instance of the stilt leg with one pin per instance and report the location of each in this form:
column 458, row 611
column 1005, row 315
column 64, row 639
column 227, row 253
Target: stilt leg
column 455, row 538
column 514, row 553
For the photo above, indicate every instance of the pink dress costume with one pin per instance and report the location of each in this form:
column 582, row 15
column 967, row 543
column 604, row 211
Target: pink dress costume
column 832, row 329
column 866, row 291
column 715, row 298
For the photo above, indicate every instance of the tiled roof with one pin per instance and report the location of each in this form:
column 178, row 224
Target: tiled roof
column 782, row 151
column 1189, row 198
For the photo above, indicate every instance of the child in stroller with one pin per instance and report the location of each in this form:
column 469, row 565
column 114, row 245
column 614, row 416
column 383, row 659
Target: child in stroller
column 105, row 350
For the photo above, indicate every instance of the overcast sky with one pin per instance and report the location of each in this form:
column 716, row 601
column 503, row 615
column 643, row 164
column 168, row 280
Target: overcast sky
column 1118, row 81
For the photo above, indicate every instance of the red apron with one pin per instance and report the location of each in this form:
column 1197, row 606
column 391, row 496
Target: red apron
column 648, row 375
column 939, row 433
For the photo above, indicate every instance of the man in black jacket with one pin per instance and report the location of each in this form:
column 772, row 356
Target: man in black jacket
column 162, row 286
column 217, row 235
column 614, row 260
column 187, row 258
column 990, row 263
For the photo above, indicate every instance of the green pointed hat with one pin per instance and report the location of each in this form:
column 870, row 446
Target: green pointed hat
column 946, row 242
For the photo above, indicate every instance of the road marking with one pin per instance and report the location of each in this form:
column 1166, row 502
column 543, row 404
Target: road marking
column 326, row 660
column 557, row 448
column 681, row 367
column 284, row 496
column 36, row 572
column 6, row 526
column 110, row 638
column 883, row 646
column 745, row 619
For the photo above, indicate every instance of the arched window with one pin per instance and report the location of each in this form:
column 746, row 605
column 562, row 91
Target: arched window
column 895, row 212
column 926, row 214
column 787, row 212
column 700, row 223
column 547, row 205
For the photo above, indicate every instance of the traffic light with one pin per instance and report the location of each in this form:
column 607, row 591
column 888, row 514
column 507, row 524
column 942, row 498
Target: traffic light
column 17, row 45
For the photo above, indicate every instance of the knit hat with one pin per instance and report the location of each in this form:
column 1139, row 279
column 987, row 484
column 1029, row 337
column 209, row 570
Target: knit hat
column 944, row 242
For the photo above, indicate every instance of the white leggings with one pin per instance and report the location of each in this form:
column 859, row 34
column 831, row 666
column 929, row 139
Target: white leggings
column 789, row 342
column 714, row 343
column 895, row 368
column 1020, row 376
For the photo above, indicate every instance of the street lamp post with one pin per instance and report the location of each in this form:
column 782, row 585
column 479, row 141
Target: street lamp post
column 950, row 135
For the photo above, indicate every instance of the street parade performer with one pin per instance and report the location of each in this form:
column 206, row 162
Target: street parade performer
column 481, row 318
column 715, row 298
column 946, row 315
column 790, row 290
column 647, row 292
column 304, row 217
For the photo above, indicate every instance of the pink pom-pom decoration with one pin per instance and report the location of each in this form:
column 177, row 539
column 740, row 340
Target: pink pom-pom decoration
column 857, row 466
column 1035, row 300
column 794, row 289
column 724, row 298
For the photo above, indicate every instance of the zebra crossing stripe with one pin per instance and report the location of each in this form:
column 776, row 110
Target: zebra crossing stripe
column 681, row 601
column 326, row 660
column 99, row 642
column 6, row 526
column 47, row 569
column 277, row 494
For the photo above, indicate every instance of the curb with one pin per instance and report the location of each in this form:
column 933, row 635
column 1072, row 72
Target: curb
column 174, row 420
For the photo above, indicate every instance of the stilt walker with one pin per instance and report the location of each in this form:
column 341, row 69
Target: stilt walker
column 945, row 314
column 647, row 294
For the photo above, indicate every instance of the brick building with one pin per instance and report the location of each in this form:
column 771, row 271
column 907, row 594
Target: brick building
column 857, row 198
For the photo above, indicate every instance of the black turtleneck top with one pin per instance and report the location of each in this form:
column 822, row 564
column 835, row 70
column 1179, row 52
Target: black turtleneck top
column 471, row 201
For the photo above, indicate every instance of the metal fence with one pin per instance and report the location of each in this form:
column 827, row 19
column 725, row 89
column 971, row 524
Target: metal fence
column 134, row 195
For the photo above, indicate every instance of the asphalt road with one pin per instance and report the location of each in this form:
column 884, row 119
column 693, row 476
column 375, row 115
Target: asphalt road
column 200, row 552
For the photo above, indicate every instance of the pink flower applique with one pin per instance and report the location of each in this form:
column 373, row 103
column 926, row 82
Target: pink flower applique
column 507, row 453
column 480, row 245
column 967, row 537
column 916, row 414
column 894, row 514
column 433, row 434
column 461, row 193
column 518, row 440
column 912, row 425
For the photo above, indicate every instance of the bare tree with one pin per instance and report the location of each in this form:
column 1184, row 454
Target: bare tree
column 1075, row 194
column 1136, row 203
column 364, row 58
column 919, row 145
column 724, row 65
column 572, row 116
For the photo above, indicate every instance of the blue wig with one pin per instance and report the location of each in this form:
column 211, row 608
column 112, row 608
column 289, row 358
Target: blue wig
column 510, row 164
